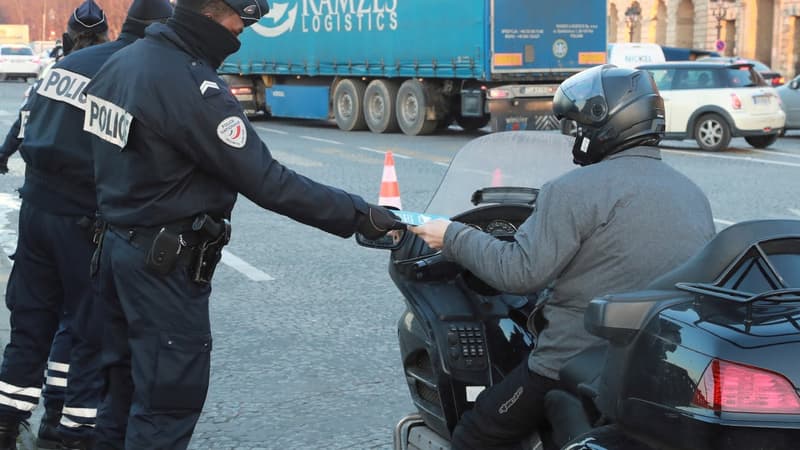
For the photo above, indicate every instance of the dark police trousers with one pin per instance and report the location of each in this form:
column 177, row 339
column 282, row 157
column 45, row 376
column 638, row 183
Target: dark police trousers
column 49, row 290
column 505, row 414
column 158, row 339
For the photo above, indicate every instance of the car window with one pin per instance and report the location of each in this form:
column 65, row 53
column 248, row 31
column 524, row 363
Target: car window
column 695, row 79
column 663, row 78
column 16, row 51
column 743, row 76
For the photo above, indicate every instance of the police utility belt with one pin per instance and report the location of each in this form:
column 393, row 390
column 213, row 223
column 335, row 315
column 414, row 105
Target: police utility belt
column 196, row 243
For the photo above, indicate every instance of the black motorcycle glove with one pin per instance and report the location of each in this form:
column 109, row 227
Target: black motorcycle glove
column 3, row 165
column 376, row 222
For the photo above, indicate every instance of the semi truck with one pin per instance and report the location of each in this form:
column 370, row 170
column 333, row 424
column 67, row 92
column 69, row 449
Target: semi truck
column 415, row 65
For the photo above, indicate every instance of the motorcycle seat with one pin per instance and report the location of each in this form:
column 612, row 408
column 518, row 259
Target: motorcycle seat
column 709, row 263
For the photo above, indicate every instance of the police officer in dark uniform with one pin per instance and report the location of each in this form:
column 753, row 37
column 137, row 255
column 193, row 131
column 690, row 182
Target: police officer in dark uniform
column 173, row 149
column 50, row 280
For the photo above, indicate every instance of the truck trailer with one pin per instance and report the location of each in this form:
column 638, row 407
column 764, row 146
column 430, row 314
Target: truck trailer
column 415, row 65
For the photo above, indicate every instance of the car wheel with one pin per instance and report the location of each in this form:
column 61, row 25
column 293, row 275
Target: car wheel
column 712, row 133
column 761, row 141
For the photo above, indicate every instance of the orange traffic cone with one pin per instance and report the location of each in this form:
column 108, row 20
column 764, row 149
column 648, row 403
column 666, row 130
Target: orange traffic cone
column 497, row 178
column 390, row 189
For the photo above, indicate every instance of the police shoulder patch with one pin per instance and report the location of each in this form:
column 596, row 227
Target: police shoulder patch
column 233, row 132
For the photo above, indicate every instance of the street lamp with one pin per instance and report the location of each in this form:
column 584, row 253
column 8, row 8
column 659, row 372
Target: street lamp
column 719, row 11
column 633, row 15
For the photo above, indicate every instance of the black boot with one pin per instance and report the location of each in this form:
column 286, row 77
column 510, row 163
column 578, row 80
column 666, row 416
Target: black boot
column 8, row 435
column 77, row 444
column 48, row 437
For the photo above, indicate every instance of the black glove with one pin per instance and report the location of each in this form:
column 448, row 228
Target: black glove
column 377, row 221
column 3, row 165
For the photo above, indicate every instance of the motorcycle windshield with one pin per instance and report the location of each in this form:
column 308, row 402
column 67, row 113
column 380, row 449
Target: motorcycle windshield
column 511, row 159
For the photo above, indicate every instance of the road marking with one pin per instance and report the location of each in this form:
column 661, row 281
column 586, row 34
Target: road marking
column 244, row 268
column 272, row 130
column 727, row 223
column 383, row 152
column 327, row 141
column 768, row 152
column 794, row 211
column 441, row 164
column 9, row 204
column 734, row 158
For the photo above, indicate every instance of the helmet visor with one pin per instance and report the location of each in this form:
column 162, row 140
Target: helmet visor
column 581, row 97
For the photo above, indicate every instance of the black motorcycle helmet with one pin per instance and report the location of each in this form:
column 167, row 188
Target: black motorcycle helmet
column 614, row 108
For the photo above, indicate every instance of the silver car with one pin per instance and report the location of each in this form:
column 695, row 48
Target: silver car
column 790, row 100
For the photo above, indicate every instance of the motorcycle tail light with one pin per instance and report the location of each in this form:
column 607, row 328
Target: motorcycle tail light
column 731, row 387
column 736, row 102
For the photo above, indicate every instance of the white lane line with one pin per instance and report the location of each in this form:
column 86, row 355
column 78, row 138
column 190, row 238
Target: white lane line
column 794, row 211
column 727, row 223
column 734, row 158
column 244, row 268
column 327, row 141
column 441, row 164
column 383, row 152
column 272, row 130
column 772, row 153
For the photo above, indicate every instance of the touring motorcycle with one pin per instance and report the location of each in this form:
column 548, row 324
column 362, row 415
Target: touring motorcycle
column 705, row 358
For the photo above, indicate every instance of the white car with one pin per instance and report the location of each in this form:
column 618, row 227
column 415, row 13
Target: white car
column 711, row 102
column 18, row 61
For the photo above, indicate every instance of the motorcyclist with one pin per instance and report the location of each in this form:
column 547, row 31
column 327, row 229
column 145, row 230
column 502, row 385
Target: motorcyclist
column 613, row 225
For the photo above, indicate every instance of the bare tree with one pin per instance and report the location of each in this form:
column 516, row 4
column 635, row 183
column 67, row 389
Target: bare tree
column 48, row 18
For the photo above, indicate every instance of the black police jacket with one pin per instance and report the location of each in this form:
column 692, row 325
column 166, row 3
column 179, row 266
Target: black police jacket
column 172, row 142
column 59, row 171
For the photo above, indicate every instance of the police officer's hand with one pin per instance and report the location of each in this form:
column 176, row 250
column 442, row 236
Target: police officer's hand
column 376, row 222
column 3, row 165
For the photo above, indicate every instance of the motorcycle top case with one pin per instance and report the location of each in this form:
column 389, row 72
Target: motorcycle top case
column 469, row 39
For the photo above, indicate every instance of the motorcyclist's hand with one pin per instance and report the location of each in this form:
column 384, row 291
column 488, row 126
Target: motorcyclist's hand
column 377, row 222
column 3, row 165
column 432, row 232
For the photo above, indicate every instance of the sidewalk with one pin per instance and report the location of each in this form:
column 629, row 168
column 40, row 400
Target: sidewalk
column 27, row 439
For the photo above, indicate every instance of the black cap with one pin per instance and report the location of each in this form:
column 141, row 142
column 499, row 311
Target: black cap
column 251, row 11
column 88, row 17
column 148, row 10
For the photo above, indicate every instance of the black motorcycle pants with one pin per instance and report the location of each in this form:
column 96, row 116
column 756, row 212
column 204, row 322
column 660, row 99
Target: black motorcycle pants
column 506, row 413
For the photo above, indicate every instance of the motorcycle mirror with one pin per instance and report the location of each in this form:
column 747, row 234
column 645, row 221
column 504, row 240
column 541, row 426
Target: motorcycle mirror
column 390, row 241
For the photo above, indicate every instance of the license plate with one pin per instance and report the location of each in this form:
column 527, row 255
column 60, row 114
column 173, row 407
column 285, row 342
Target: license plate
column 761, row 100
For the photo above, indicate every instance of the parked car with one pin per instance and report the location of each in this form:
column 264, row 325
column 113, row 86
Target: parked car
column 711, row 102
column 18, row 61
column 772, row 77
column 790, row 100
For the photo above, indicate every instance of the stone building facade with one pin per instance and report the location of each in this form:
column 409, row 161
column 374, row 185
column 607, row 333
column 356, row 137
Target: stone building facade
column 766, row 30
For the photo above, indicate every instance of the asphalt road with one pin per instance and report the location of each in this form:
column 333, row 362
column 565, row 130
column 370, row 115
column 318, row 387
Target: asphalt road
column 305, row 352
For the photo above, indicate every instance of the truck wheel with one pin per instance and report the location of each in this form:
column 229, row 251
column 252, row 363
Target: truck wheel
column 472, row 123
column 379, row 109
column 412, row 108
column 712, row 133
column 761, row 141
column 347, row 100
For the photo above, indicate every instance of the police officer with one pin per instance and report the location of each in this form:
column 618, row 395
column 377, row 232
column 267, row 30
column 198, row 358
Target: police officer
column 172, row 150
column 86, row 26
column 611, row 226
column 51, row 269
